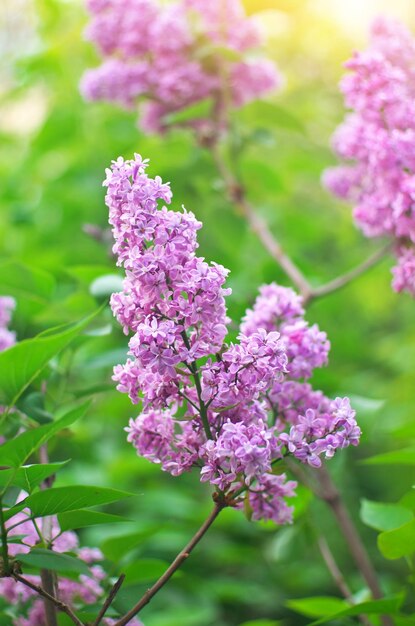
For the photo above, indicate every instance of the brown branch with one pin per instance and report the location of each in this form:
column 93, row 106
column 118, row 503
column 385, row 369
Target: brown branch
column 237, row 196
column 113, row 592
column 337, row 575
column 173, row 567
column 49, row 585
column 328, row 492
column 345, row 279
column 61, row 606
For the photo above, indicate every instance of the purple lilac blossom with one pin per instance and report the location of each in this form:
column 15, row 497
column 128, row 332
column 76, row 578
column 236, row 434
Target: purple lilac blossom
column 232, row 410
column 377, row 143
column 7, row 337
column 172, row 56
column 85, row 589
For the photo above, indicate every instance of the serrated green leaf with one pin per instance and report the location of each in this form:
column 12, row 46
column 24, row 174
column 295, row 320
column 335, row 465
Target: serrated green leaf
column 398, row 542
column 72, row 520
column 23, row 362
column 383, row 516
column 55, row 561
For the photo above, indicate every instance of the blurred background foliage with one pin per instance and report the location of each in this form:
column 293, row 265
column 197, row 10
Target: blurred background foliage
column 53, row 151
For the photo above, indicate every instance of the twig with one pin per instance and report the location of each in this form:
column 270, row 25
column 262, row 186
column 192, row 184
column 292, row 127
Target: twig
column 114, row 590
column 237, row 195
column 345, row 279
column 49, row 585
column 328, row 492
column 337, row 575
column 61, row 606
column 178, row 561
column 202, row 406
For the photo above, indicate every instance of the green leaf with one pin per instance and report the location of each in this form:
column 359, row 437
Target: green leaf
column 398, row 542
column 396, row 457
column 408, row 500
column 22, row 363
column 144, row 570
column 386, row 606
column 33, row 405
column 318, row 606
column 56, row 561
column 62, row 499
column 29, row 476
column 81, row 518
column 383, row 516
column 15, row 452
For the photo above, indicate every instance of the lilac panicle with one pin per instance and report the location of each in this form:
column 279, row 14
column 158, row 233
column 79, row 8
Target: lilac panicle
column 377, row 143
column 232, row 410
column 168, row 56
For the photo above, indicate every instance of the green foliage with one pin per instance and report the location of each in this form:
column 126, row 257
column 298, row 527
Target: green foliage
column 398, row 542
column 383, row 516
column 242, row 573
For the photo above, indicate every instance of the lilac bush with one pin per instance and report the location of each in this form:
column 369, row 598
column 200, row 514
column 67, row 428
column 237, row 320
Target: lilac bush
column 232, row 410
column 172, row 56
column 377, row 142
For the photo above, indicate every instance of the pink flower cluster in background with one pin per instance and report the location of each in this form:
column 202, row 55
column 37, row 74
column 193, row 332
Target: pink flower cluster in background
column 232, row 410
column 7, row 337
column 174, row 55
column 87, row 589
column 377, row 140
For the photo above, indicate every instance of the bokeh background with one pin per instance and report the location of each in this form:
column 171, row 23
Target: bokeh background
column 53, row 151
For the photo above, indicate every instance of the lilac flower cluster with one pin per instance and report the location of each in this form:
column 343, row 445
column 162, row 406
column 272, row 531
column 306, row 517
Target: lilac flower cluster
column 175, row 55
column 7, row 337
column 378, row 141
column 232, row 410
column 86, row 590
